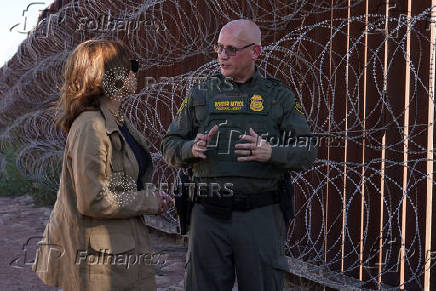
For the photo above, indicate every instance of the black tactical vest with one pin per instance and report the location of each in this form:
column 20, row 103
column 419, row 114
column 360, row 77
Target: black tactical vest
column 235, row 111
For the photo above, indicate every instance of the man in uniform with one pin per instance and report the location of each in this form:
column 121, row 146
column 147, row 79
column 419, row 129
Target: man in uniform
column 238, row 132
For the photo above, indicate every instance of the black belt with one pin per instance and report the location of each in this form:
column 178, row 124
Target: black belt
column 241, row 202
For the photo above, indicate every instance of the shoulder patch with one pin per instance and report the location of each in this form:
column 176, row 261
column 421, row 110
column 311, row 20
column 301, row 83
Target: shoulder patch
column 298, row 107
column 274, row 81
column 183, row 105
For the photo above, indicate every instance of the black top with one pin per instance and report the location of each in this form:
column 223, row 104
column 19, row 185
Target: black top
column 141, row 155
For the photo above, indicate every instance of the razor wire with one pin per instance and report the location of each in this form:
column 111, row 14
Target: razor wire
column 309, row 58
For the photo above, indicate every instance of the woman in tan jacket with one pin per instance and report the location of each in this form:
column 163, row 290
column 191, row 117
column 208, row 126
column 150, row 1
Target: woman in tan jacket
column 96, row 238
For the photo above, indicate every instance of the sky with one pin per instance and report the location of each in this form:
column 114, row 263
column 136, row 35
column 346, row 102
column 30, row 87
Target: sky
column 14, row 25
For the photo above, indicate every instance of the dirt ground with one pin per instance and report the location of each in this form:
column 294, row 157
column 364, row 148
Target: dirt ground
column 21, row 227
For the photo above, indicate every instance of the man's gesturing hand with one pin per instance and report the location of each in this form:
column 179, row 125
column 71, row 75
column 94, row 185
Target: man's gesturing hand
column 257, row 149
column 201, row 141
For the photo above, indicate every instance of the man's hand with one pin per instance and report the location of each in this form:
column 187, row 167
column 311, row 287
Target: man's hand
column 201, row 141
column 257, row 149
column 165, row 201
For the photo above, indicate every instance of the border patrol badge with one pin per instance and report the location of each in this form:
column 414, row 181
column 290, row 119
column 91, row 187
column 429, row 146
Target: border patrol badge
column 299, row 108
column 256, row 103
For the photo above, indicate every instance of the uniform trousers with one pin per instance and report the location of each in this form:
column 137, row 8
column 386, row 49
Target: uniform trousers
column 248, row 246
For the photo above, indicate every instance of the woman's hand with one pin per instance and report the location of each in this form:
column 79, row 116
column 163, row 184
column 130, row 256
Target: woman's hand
column 165, row 202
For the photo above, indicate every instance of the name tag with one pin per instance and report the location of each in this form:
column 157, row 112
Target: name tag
column 244, row 103
column 229, row 105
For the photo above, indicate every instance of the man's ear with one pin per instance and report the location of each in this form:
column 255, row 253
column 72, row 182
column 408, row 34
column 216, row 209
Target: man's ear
column 255, row 53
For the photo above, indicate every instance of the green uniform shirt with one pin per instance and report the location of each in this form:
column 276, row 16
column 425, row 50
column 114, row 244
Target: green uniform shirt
column 295, row 149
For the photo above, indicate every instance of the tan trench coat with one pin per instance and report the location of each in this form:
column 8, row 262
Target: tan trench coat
column 96, row 238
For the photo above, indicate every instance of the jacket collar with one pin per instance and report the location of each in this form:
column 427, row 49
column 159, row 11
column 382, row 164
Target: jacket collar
column 255, row 77
column 112, row 125
column 252, row 80
column 110, row 122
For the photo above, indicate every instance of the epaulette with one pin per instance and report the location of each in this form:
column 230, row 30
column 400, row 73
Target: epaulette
column 205, row 83
column 208, row 79
column 273, row 82
column 213, row 77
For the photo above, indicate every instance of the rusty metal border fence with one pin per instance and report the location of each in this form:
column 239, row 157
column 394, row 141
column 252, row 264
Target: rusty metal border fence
column 364, row 72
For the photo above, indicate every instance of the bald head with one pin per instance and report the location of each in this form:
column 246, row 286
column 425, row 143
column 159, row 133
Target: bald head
column 243, row 30
column 240, row 45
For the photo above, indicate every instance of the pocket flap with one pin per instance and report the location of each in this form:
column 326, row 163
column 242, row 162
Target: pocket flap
column 199, row 100
column 104, row 240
